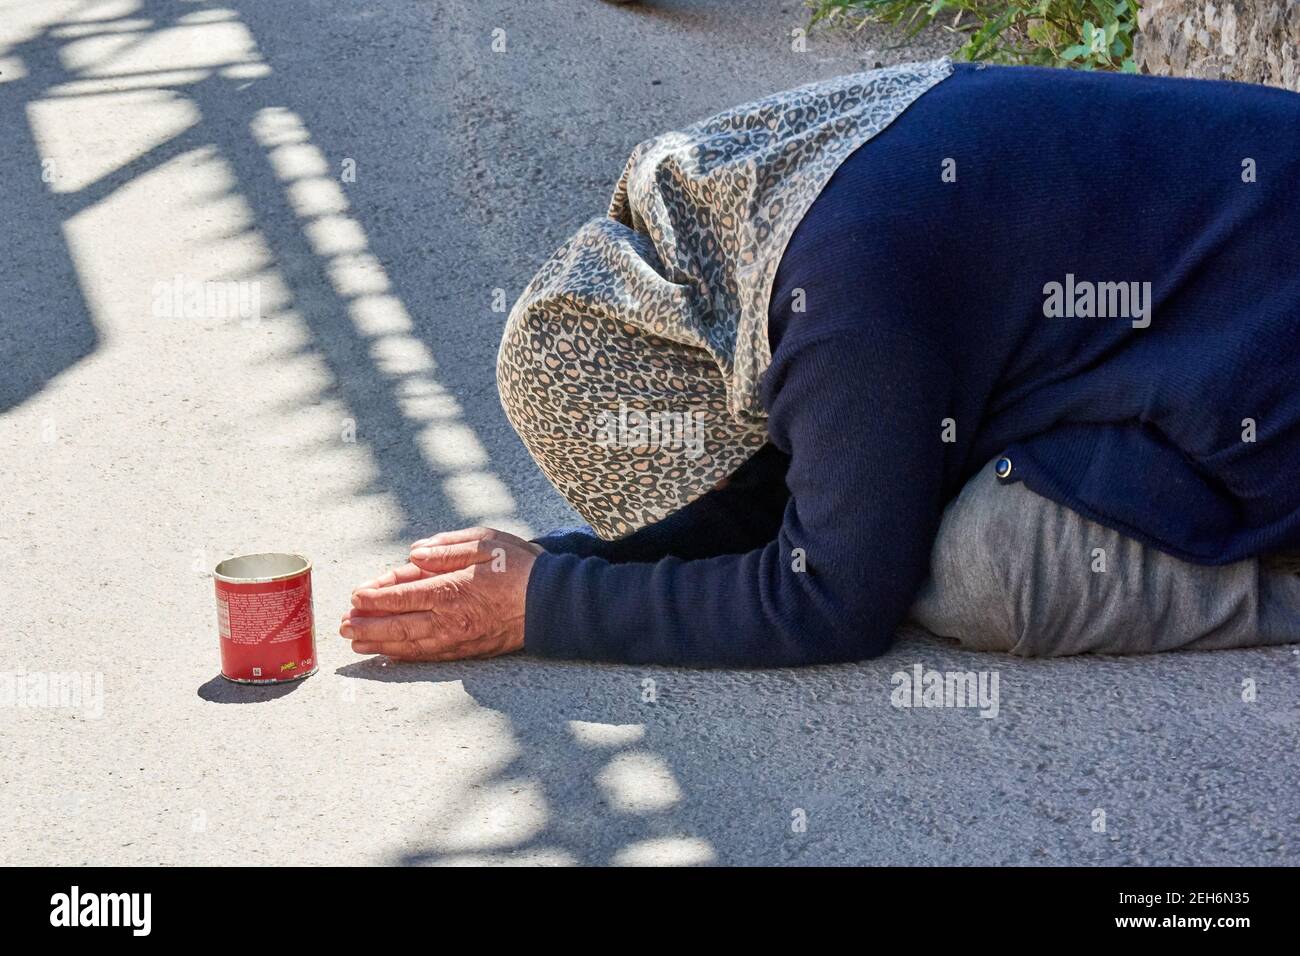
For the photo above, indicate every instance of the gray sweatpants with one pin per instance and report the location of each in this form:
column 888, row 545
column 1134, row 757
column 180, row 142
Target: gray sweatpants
column 1013, row 571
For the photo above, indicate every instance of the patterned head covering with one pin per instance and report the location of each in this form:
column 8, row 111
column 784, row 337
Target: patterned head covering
column 630, row 365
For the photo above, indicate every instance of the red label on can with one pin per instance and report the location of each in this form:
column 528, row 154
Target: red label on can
column 266, row 628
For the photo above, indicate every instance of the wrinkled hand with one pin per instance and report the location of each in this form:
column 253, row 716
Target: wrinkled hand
column 461, row 595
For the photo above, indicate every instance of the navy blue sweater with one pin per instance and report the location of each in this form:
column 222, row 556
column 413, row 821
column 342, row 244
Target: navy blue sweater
column 932, row 340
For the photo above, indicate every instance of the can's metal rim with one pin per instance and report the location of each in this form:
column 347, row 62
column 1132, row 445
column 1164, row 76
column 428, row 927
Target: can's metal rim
column 263, row 681
column 265, row 579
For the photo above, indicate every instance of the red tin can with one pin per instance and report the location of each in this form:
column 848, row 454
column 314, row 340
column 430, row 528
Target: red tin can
column 264, row 617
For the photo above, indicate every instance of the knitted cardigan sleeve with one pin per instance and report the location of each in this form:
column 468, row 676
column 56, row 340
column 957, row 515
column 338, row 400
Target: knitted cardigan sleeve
column 860, row 416
column 743, row 515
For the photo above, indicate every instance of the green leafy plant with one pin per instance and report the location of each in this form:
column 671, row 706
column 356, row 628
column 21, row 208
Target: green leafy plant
column 1083, row 34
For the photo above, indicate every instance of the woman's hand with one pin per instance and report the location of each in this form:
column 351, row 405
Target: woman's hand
column 461, row 596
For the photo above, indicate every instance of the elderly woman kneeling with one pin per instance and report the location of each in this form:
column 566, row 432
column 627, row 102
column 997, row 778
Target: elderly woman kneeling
column 1012, row 353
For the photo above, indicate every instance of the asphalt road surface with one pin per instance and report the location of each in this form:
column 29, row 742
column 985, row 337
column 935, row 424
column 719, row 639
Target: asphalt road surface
column 374, row 182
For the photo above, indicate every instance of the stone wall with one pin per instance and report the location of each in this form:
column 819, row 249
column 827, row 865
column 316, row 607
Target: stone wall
column 1256, row 41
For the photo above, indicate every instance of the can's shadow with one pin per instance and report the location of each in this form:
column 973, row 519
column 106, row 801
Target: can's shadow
column 221, row 691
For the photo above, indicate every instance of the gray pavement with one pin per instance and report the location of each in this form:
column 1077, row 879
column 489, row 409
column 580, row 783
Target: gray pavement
column 150, row 146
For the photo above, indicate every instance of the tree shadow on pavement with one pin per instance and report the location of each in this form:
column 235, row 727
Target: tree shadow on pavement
column 45, row 323
column 1089, row 761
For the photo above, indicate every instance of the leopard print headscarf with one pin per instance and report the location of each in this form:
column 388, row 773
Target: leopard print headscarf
column 630, row 365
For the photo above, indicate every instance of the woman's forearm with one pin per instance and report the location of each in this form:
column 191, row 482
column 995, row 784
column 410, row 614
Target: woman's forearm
column 837, row 578
column 743, row 515
column 735, row 610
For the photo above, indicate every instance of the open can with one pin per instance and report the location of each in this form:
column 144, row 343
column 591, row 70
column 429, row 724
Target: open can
column 265, row 619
